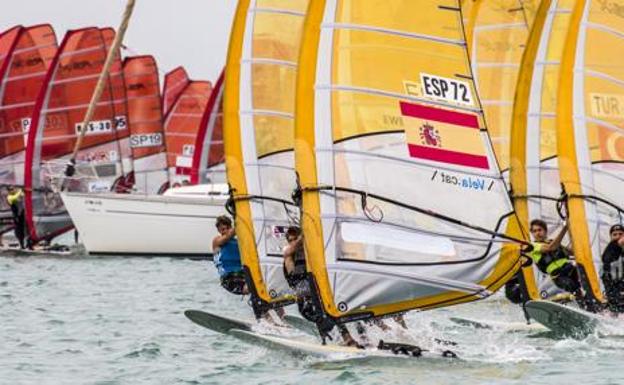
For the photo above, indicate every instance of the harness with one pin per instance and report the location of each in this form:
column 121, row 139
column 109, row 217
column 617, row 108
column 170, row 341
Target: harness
column 299, row 272
column 548, row 263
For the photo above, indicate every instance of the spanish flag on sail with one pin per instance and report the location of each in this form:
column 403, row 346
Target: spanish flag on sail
column 444, row 136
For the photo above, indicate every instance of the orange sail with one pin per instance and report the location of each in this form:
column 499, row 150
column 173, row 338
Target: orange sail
column 175, row 82
column 181, row 127
column 146, row 123
column 208, row 157
column 57, row 122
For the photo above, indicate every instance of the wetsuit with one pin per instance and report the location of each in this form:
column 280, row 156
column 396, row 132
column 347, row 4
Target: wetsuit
column 16, row 202
column 514, row 290
column 298, row 275
column 558, row 266
column 613, row 275
column 229, row 267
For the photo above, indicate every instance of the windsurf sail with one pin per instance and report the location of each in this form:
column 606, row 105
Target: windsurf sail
column 175, row 82
column 56, row 123
column 391, row 147
column 26, row 65
column 182, row 124
column 145, row 116
column 534, row 172
column 209, row 157
column 259, row 130
column 590, row 131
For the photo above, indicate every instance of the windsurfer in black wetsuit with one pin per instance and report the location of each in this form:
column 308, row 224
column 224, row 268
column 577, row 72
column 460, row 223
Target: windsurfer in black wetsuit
column 613, row 269
column 295, row 274
column 15, row 199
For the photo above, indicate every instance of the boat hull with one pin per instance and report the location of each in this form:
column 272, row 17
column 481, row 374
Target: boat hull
column 126, row 224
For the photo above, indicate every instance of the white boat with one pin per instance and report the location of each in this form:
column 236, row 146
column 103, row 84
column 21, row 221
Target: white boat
column 177, row 223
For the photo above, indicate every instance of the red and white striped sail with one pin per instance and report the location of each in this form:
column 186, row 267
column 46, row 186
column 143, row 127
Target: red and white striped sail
column 145, row 116
column 208, row 157
column 56, row 122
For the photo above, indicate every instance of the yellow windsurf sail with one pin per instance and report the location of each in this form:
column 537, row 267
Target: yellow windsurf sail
column 534, row 175
column 590, row 130
column 258, row 133
column 394, row 160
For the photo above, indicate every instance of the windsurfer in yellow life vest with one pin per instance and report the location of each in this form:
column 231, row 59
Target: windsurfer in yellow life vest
column 553, row 259
column 295, row 274
column 227, row 257
column 15, row 199
column 613, row 269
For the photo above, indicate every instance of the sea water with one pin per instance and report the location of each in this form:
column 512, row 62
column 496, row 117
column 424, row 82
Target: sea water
column 114, row 320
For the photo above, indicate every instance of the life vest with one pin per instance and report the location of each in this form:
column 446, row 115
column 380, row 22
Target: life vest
column 227, row 259
column 548, row 263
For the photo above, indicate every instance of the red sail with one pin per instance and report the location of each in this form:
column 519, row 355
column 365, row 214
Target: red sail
column 175, row 82
column 181, row 127
column 57, row 119
column 208, row 154
column 26, row 67
column 146, row 123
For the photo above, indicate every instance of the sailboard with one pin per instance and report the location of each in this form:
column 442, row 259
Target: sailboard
column 56, row 123
column 590, row 134
column 563, row 320
column 366, row 137
column 259, row 112
column 21, row 77
column 145, row 117
column 182, row 123
column 217, row 323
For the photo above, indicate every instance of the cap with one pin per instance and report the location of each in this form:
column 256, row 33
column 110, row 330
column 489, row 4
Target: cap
column 617, row 227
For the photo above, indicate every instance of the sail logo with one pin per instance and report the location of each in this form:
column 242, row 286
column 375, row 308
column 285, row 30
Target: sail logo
column 430, row 136
column 611, row 145
column 146, row 140
column 447, row 90
column 121, row 122
column 463, row 144
column 465, row 182
column 30, row 62
column 136, row 86
column 607, row 105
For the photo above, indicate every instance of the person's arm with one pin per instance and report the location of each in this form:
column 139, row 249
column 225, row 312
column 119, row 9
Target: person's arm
column 220, row 240
column 555, row 243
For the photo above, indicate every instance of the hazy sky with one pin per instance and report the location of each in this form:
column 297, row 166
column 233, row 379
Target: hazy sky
column 193, row 33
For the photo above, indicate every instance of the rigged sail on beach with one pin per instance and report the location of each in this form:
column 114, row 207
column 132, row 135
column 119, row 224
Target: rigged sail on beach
column 56, row 123
column 182, row 124
column 145, row 116
column 209, row 157
column 391, row 147
column 259, row 130
column 175, row 82
column 21, row 78
column 590, row 131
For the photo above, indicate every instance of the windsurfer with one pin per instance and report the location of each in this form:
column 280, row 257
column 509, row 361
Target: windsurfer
column 228, row 261
column 613, row 269
column 295, row 274
column 227, row 257
column 553, row 259
column 15, row 198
